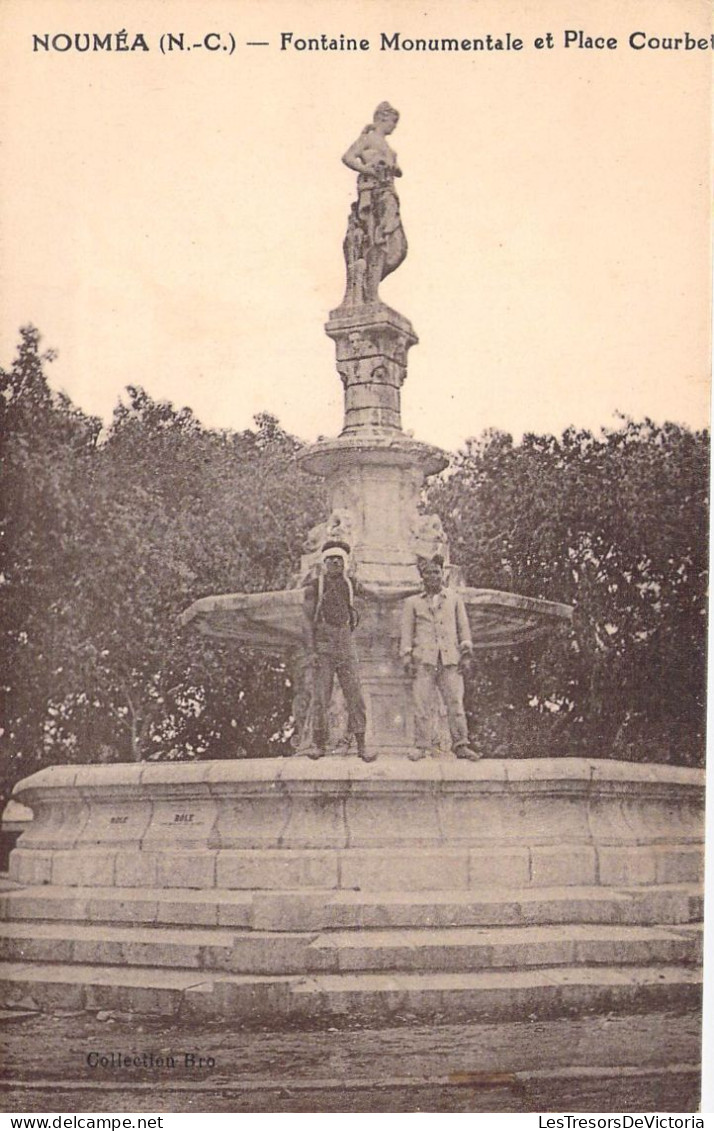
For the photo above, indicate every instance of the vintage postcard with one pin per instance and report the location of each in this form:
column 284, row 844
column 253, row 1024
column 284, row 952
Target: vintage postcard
column 355, row 366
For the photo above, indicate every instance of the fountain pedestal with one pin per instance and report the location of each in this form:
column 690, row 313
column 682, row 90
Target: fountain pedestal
column 371, row 344
column 273, row 888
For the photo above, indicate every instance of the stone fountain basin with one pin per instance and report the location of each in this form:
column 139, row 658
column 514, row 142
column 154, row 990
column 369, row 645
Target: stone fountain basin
column 273, row 621
column 266, row 824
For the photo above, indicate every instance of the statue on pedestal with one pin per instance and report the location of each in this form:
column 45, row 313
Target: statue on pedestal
column 375, row 243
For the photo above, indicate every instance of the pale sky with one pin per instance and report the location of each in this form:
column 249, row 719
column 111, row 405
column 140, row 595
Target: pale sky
column 176, row 221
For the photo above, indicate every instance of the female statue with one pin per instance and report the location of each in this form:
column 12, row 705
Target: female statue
column 375, row 243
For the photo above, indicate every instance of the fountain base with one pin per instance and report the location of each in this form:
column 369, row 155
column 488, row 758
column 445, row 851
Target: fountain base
column 284, row 887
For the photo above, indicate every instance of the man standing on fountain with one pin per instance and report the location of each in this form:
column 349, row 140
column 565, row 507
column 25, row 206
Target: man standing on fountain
column 330, row 618
column 436, row 639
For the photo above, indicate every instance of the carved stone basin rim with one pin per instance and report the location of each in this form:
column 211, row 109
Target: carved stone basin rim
column 273, row 621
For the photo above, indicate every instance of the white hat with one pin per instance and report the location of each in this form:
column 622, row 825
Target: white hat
column 334, row 549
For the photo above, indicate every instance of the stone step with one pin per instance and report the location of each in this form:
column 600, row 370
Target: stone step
column 319, row 910
column 665, row 903
column 179, row 906
column 146, row 991
column 499, row 994
column 474, row 949
column 487, row 995
column 313, row 858
column 262, row 952
column 199, row 948
column 90, row 944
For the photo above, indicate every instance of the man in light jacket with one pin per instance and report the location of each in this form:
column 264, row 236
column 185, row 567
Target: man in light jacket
column 435, row 642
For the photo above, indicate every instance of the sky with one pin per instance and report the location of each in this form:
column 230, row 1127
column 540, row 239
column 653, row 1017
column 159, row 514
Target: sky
column 175, row 220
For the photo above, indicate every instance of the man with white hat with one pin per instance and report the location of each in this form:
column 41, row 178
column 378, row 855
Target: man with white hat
column 330, row 618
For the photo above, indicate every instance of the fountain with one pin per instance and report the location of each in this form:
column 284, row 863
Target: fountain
column 258, row 888
column 374, row 473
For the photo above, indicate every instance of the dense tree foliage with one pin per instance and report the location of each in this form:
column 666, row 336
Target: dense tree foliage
column 108, row 534
column 615, row 524
column 107, row 537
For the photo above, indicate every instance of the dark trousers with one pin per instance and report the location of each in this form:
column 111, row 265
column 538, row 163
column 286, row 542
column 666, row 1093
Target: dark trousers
column 336, row 656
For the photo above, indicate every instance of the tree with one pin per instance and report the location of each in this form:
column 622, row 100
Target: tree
column 106, row 539
column 186, row 513
column 616, row 525
column 46, row 444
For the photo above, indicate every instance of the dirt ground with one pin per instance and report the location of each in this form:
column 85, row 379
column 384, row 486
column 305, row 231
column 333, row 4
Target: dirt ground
column 638, row 1063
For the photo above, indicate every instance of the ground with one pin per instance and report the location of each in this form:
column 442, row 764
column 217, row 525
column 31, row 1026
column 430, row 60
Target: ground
column 637, row 1063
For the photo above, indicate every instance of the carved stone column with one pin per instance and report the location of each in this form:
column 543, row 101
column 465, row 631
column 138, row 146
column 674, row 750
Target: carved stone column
column 371, row 344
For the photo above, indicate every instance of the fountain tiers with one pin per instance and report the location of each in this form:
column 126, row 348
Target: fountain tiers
column 374, row 474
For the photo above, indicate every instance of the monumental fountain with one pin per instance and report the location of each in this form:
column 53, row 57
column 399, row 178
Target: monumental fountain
column 271, row 887
column 374, row 473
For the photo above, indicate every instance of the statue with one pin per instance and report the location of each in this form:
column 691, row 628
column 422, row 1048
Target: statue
column 338, row 526
column 375, row 243
column 428, row 537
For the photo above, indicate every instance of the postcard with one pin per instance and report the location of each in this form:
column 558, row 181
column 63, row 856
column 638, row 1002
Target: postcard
column 355, row 367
